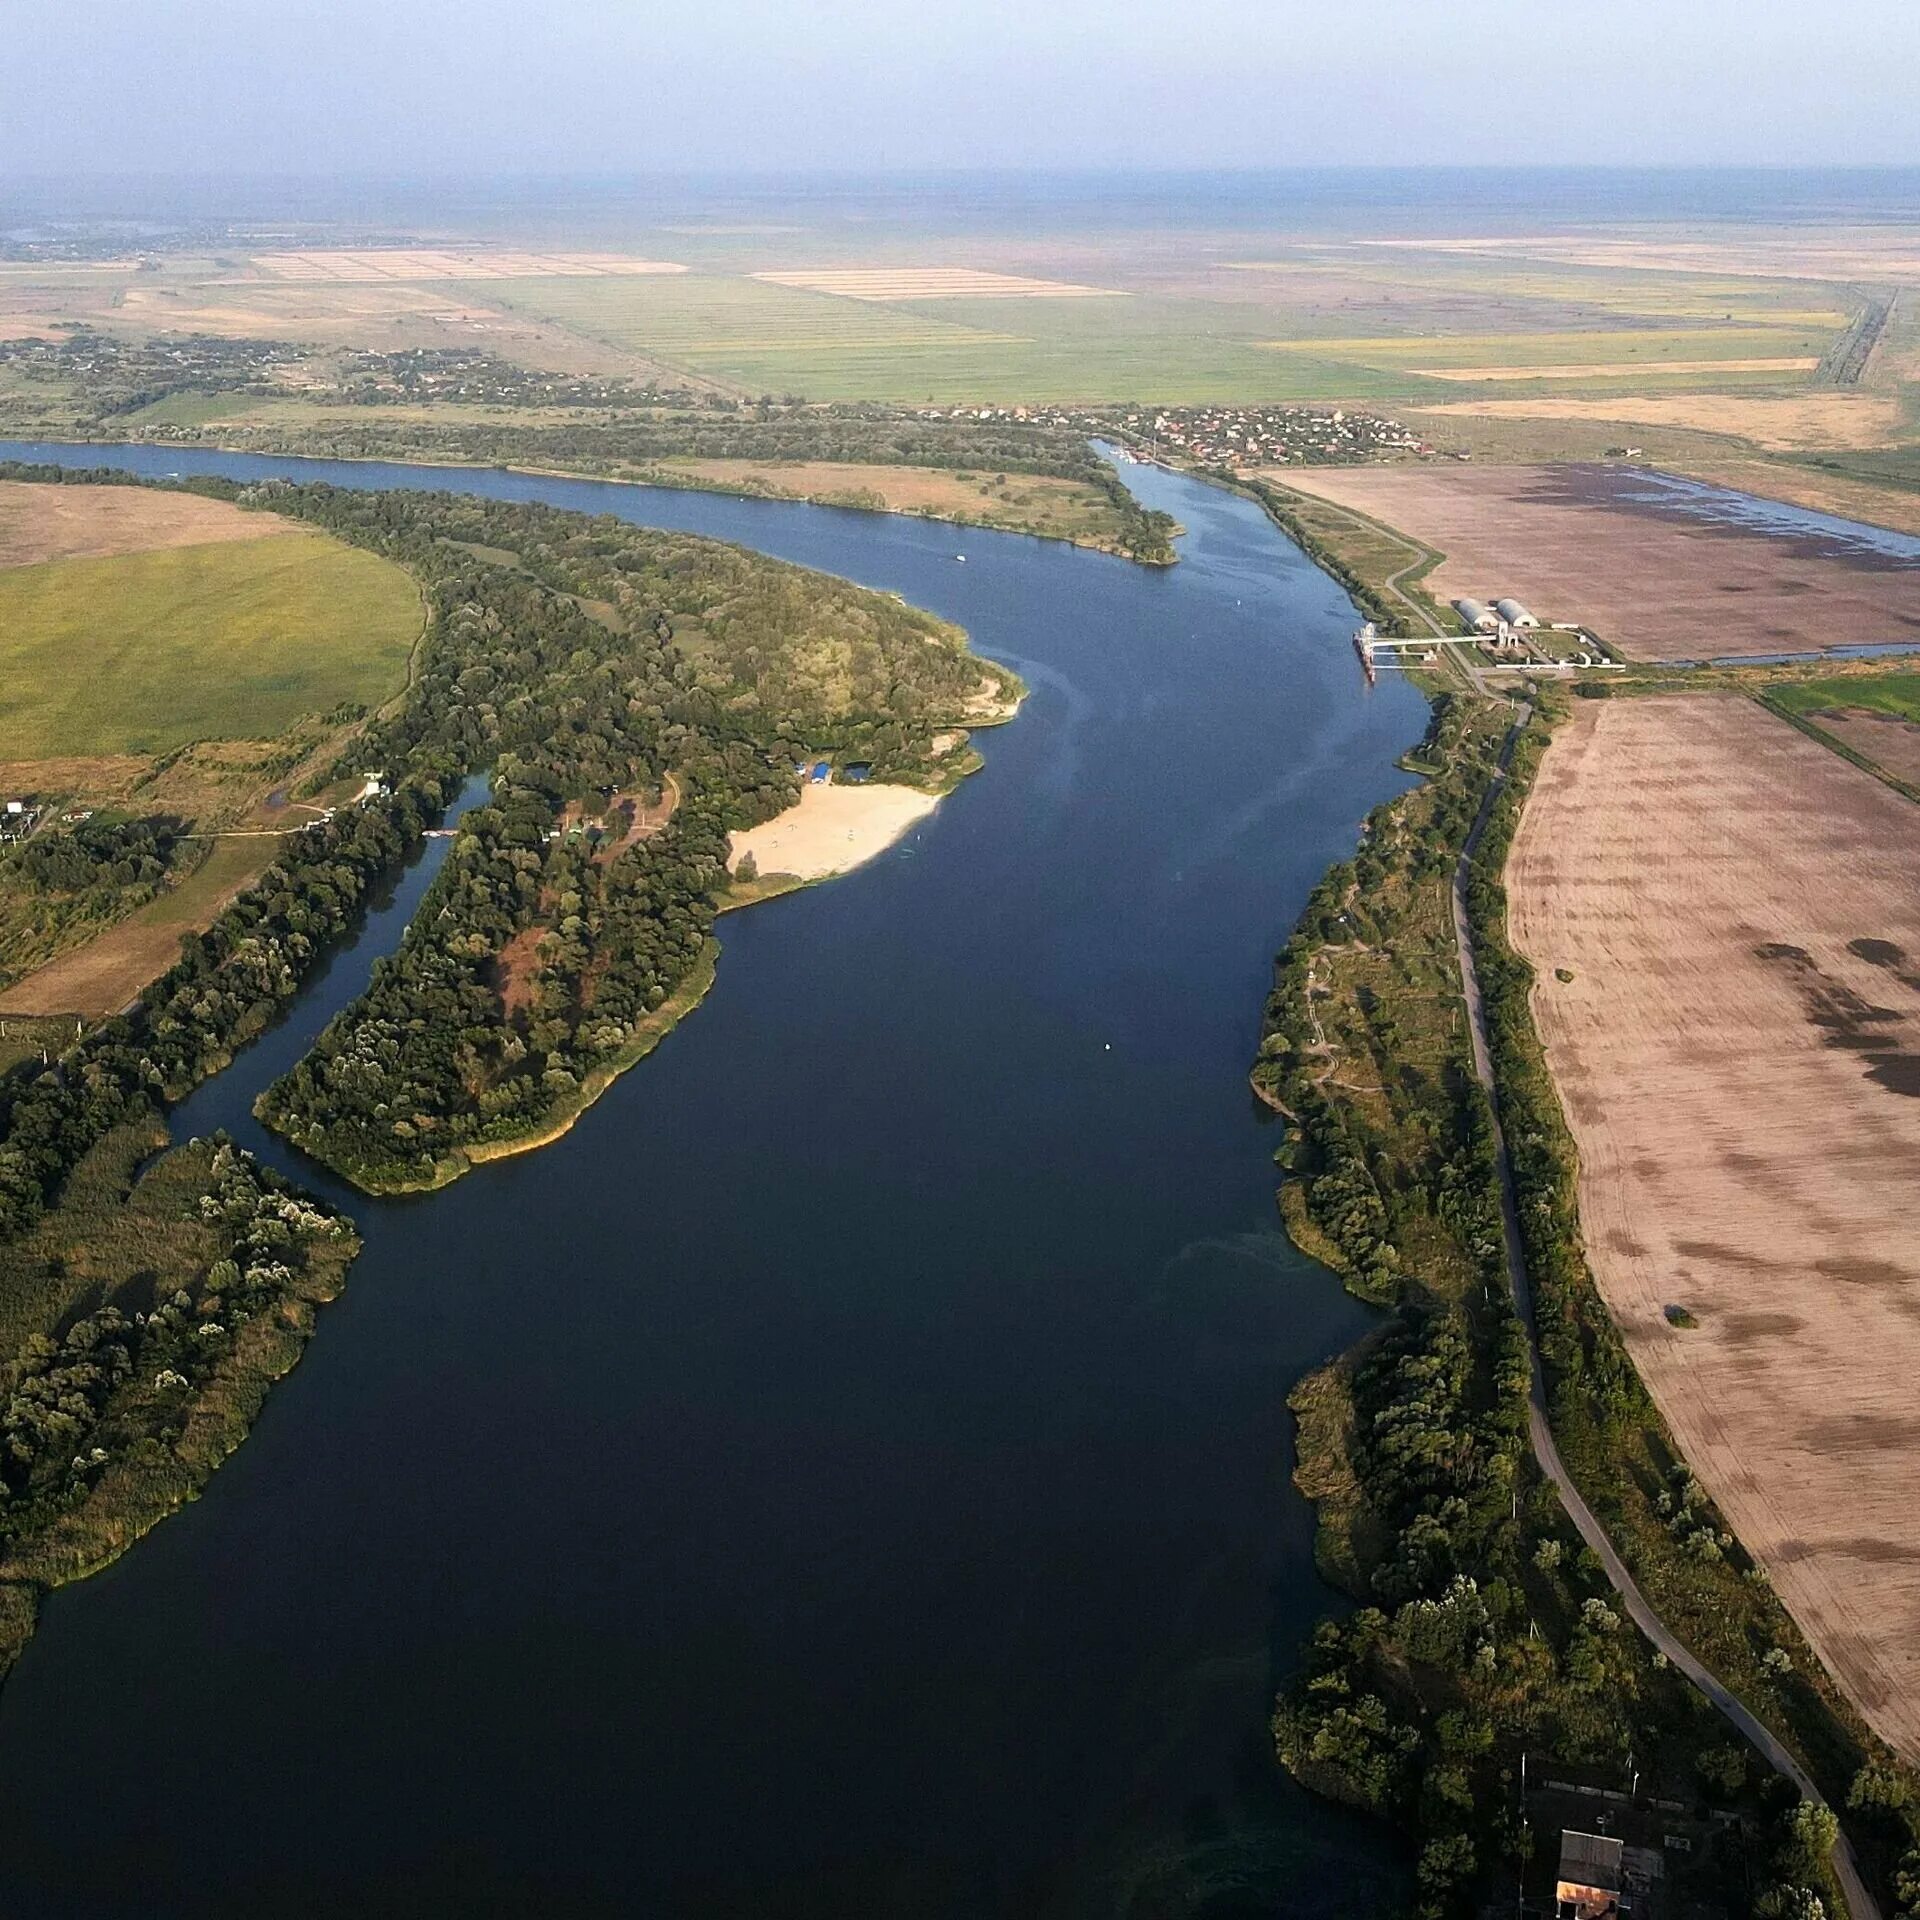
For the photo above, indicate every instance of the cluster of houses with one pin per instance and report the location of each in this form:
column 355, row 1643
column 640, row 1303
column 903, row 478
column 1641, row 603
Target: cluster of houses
column 473, row 377
column 1231, row 437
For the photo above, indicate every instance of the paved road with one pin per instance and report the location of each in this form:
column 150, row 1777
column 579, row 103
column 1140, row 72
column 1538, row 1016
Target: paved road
column 1860, row 1903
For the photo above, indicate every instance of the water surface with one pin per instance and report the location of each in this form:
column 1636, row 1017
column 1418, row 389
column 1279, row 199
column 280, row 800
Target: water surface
column 847, row 1474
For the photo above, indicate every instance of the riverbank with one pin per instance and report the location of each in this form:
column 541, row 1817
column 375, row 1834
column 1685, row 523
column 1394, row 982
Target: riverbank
column 1391, row 1164
column 561, row 1118
column 706, row 1316
column 176, row 1324
column 852, row 493
column 829, row 830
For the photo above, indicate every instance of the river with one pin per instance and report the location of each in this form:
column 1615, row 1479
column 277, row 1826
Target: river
column 848, row 1473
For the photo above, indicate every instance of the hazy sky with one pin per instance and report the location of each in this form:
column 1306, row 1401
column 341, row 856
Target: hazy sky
column 455, row 86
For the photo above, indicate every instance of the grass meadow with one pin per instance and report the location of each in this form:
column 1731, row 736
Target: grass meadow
column 143, row 652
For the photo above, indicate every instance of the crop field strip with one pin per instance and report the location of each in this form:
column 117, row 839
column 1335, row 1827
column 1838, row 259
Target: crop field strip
column 1749, row 1138
column 785, row 339
column 931, row 283
column 407, row 264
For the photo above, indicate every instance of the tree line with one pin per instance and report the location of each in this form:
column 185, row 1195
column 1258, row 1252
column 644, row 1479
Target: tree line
column 1485, row 1627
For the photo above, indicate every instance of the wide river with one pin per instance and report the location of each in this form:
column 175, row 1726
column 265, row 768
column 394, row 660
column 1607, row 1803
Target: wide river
column 848, row 1474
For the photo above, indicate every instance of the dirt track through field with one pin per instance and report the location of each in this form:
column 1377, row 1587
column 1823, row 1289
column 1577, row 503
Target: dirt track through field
column 1739, row 1055
column 1577, row 544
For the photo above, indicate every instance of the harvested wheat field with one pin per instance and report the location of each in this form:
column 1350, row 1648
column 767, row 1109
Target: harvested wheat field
column 1663, row 570
column 931, row 283
column 1884, row 738
column 1739, row 1055
column 1781, row 422
column 53, row 522
column 453, row 263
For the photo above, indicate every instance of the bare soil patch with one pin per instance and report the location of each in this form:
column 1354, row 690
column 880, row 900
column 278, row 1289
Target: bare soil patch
column 1738, row 1051
column 1656, row 584
column 516, row 969
column 1883, row 738
column 108, row 972
column 81, row 523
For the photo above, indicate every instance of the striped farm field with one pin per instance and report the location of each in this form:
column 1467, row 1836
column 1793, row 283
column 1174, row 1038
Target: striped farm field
column 709, row 320
column 931, row 283
column 1626, row 353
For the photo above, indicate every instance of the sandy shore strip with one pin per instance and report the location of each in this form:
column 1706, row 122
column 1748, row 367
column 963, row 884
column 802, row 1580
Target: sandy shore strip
column 831, row 830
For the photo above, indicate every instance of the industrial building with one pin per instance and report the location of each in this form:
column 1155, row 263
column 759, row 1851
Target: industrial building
column 1475, row 617
column 1514, row 614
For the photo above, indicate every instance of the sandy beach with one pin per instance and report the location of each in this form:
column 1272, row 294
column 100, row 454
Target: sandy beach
column 832, row 829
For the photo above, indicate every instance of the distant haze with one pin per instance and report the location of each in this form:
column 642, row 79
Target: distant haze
column 303, row 87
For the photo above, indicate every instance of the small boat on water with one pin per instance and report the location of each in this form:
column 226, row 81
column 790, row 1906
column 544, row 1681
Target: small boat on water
column 1363, row 646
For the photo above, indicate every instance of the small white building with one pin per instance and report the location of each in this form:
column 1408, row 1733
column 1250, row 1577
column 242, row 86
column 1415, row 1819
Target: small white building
column 1475, row 617
column 1514, row 614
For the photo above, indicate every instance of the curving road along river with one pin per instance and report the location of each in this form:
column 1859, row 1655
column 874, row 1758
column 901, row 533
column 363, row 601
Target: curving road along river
column 1861, row 1904
column 847, row 1474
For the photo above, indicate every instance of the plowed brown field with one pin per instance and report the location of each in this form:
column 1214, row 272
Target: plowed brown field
column 1574, row 544
column 1739, row 1055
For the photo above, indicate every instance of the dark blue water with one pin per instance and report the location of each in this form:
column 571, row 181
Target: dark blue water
column 848, row 1474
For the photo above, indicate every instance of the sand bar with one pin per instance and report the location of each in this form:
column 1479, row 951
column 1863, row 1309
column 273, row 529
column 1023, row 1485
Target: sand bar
column 831, row 830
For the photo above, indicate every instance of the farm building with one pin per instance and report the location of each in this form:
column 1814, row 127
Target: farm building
column 1514, row 614
column 1590, row 1883
column 1475, row 617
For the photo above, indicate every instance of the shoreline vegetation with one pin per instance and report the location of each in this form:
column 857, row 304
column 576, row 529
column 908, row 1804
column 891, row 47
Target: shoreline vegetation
column 637, row 697
column 177, row 1284
column 647, row 1035
column 1120, row 525
column 576, row 900
column 1485, row 1626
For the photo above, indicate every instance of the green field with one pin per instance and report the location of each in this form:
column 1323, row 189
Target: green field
column 1897, row 694
column 1281, row 340
column 782, row 340
column 142, row 652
